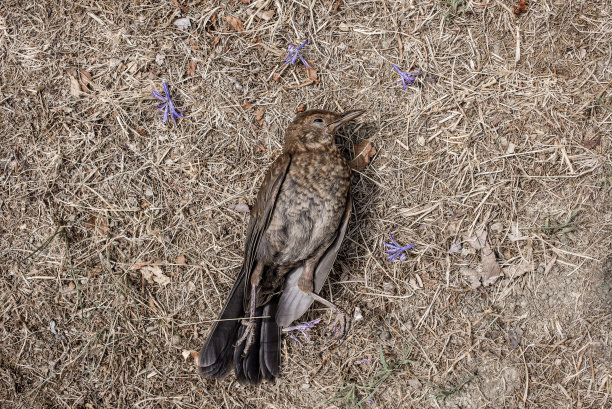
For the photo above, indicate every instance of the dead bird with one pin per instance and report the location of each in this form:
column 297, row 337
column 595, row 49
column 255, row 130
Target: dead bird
column 296, row 227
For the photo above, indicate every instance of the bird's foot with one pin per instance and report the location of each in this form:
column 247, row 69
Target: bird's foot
column 341, row 325
column 248, row 335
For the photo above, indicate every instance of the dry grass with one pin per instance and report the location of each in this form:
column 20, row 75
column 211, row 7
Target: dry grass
column 509, row 127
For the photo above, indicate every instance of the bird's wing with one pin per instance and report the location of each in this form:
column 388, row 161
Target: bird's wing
column 261, row 213
column 294, row 302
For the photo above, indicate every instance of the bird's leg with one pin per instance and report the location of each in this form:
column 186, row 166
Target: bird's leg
column 249, row 332
column 306, row 284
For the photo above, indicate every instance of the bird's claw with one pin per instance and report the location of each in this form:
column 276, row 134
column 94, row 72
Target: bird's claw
column 248, row 335
column 344, row 326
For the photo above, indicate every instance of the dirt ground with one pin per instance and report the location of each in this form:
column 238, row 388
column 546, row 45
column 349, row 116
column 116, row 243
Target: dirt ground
column 121, row 236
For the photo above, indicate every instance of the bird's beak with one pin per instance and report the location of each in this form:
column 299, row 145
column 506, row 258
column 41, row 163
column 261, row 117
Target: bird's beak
column 344, row 118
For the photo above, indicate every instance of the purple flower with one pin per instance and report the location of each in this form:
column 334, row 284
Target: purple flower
column 304, row 327
column 407, row 77
column 395, row 250
column 166, row 105
column 363, row 361
column 294, row 53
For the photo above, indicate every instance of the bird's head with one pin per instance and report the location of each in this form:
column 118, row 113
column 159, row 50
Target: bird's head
column 314, row 130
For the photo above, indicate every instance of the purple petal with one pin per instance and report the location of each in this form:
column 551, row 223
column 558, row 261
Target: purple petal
column 165, row 115
column 158, row 95
column 302, row 45
column 166, row 89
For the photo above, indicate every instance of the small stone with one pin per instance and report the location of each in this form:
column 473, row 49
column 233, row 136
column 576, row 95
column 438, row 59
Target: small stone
column 175, row 339
column 414, row 383
column 305, row 386
column 497, row 227
column 149, row 192
column 357, row 315
column 385, row 335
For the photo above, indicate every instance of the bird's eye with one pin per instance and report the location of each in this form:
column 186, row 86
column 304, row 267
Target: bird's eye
column 318, row 120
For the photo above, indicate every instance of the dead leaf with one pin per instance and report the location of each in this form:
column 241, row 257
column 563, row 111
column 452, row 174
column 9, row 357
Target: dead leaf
column 550, row 264
column 196, row 357
column 247, row 105
column 477, row 241
column 259, row 115
column 592, row 143
column 514, row 337
column 260, row 148
column 490, row 267
column 455, row 247
column 154, row 274
column 518, row 270
column 300, row 108
column 191, row 67
column 516, row 234
column 364, row 152
column 140, row 264
column 245, row 1
column 276, row 77
column 185, row 354
column 179, row 5
column 141, row 131
column 183, row 23
column 266, row 15
column 214, row 42
column 194, row 43
column 239, row 207
column 472, row 276
column 235, row 23
column 75, row 87
column 312, row 74
column 98, row 224
column 84, row 80
column 181, row 260
column 336, row 6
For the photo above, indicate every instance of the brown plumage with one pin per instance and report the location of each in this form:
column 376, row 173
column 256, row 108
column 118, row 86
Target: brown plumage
column 297, row 224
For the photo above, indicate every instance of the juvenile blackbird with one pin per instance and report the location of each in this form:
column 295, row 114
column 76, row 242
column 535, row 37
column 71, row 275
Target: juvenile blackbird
column 296, row 227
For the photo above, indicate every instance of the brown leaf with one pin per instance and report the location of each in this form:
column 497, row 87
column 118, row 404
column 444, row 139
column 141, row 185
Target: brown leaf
column 84, row 80
column 235, row 23
column 490, row 268
column 300, row 108
column 196, row 357
column 193, row 43
column 312, row 74
column 181, row 260
column 259, row 115
column 141, row 131
column 518, row 270
column 75, row 86
column 514, row 337
column 191, row 67
column 364, row 152
column 337, row 5
column 472, row 275
column 247, row 105
column 179, row 5
column 140, row 264
column 154, row 274
column 276, row 77
column 550, row 264
column 521, row 7
column 214, row 42
column 239, row 207
column 592, row 143
column 260, row 148
column 477, row 241
column 266, row 15
column 245, row 1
